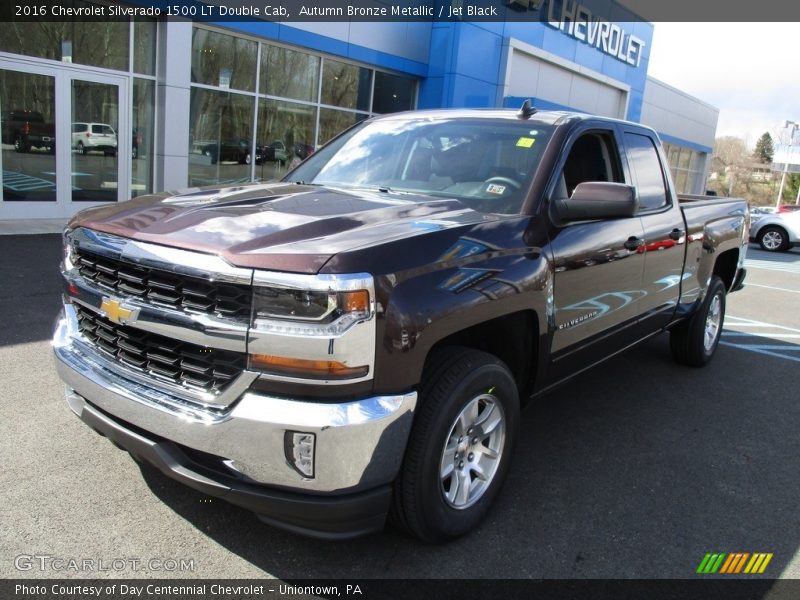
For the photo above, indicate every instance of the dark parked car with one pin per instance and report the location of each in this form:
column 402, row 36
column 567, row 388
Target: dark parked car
column 276, row 152
column 303, row 151
column 27, row 129
column 236, row 150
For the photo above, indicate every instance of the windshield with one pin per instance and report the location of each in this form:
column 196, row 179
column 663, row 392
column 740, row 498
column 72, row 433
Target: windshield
column 485, row 163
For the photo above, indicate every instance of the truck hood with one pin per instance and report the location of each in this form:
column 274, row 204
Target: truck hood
column 277, row 226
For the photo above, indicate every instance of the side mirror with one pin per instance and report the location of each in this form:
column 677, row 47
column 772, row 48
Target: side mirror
column 598, row 200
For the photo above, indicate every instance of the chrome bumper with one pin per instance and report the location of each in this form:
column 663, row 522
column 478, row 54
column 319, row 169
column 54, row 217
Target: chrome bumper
column 359, row 444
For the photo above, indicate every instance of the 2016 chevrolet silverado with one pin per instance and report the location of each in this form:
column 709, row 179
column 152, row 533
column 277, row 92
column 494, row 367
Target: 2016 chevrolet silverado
column 357, row 339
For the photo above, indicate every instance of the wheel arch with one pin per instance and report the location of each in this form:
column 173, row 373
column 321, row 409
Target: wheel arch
column 513, row 338
column 725, row 267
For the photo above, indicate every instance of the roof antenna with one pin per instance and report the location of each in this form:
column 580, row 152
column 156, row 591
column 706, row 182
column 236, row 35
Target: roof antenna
column 527, row 110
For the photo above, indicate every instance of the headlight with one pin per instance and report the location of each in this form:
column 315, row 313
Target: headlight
column 308, row 313
column 313, row 327
column 310, row 306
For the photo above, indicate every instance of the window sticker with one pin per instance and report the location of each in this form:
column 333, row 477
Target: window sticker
column 525, row 142
column 493, row 188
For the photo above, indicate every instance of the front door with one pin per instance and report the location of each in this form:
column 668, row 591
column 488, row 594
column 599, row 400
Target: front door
column 598, row 265
column 49, row 171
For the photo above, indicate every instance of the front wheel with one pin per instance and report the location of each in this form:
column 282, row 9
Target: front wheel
column 773, row 239
column 694, row 342
column 460, row 445
column 20, row 145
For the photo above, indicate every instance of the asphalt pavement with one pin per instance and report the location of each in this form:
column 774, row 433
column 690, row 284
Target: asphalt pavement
column 635, row 469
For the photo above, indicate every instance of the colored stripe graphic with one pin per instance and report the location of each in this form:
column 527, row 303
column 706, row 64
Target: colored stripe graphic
column 734, row 563
column 758, row 563
column 711, row 563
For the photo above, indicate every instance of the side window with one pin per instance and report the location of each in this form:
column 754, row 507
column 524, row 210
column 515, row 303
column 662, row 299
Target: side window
column 593, row 157
column 646, row 171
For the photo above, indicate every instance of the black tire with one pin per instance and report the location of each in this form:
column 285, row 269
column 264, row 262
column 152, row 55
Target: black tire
column 454, row 379
column 688, row 341
column 82, row 149
column 773, row 239
column 20, row 145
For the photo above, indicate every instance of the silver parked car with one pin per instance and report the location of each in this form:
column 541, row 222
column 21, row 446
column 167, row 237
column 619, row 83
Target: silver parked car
column 776, row 232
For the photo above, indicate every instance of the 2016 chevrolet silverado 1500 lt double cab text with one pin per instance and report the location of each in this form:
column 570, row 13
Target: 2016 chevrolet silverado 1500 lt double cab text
column 357, row 339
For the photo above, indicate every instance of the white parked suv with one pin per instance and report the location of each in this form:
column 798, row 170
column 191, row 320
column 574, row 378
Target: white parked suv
column 94, row 136
column 777, row 232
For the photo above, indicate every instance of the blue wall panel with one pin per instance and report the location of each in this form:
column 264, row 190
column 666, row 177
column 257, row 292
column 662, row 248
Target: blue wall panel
column 479, row 53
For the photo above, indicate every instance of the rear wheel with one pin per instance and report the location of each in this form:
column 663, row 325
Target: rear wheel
column 694, row 342
column 82, row 149
column 460, row 445
column 20, row 145
column 773, row 239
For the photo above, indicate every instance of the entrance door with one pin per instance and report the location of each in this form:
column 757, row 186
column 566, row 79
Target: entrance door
column 101, row 150
column 48, row 169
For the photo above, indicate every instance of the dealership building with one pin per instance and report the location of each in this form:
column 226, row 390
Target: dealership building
column 97, row 112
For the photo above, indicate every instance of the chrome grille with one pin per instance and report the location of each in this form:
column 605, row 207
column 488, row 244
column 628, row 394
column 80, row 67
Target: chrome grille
column 165, row 289
column 194, row 366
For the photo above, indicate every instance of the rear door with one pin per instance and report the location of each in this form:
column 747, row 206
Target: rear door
column 664, row 236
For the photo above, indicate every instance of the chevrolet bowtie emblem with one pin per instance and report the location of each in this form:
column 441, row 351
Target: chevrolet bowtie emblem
column 115, row 312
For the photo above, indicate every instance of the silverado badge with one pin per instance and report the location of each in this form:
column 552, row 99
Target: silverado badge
column 114, row 311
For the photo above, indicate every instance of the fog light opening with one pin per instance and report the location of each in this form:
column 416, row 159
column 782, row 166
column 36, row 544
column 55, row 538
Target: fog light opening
column 299, row 448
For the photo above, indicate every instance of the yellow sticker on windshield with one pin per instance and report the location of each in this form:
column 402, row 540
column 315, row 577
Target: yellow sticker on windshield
column 525, row 142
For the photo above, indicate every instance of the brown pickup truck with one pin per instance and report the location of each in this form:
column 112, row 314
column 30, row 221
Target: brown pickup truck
column 27, row 129
column 358, row 339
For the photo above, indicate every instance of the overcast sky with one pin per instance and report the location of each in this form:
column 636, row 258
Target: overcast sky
column 749, row 71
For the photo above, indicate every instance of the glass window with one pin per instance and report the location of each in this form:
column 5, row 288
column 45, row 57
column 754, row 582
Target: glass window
column 672, row 154
column 97, row 43
column 220, row 137
column 392, row 93
column 144, row 47
column 142, row 137
column 479, row 162
column 696, row 163
column 289, row 73
column 333, row 122
column 681, row 179
column 285, row 136
column 94, row 164
column 685, row 158
column 223, row 60
column 646, row 169
column 344, row 85
column 27, row 133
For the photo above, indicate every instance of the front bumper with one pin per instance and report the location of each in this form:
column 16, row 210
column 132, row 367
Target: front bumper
column 238, row 453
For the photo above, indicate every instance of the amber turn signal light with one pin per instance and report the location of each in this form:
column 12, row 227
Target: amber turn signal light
column 310, row 369
column 355, row 301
